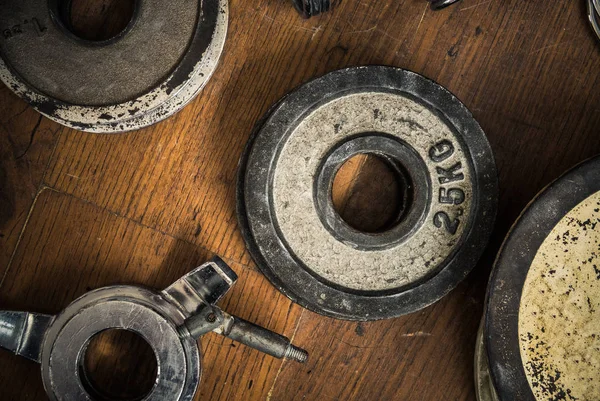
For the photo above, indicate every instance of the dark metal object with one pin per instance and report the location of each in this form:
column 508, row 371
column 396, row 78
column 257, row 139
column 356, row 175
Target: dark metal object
column 35, row 325
column 484, row 387
column 439, row 4
column 593, row 9
column 309, row 8
column 170, row 321
column 501, row 330
column 262, row 339
column 408, row 165
column 261, row 223
column 143, row 75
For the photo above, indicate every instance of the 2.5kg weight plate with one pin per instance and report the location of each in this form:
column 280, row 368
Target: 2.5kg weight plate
column 439, row 153
column 146, row 73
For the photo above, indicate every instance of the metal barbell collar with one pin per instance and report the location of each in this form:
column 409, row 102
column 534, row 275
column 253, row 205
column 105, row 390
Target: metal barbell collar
column 171, row 321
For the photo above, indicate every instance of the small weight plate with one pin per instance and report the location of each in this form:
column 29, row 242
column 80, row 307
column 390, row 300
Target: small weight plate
column 145, row 74
column 285, row 205
column 542, row 325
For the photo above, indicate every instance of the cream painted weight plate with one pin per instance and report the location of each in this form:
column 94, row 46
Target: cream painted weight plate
column 542, row 326
column 436, row 148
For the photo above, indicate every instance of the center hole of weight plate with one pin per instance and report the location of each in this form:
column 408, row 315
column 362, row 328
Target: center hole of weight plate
column 97, row 20
column 118, row 365
column 371, row 193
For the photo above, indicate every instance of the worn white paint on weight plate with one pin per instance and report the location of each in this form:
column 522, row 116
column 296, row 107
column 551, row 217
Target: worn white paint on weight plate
column 559, row 316
column 158, row 104
column 431, row 242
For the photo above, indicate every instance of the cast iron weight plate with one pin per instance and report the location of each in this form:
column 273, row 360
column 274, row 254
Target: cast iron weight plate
column 284, row 193
column 145, row 74
column 558, row 207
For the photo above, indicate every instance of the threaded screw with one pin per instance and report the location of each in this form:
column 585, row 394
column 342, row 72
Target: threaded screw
column 296, row 354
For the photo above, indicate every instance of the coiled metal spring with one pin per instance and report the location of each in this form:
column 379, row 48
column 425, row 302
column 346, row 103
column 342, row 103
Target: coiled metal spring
column 594, row 15
column 308, row 8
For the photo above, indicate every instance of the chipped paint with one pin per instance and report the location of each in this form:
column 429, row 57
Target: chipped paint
column 167, row 98
column 413, row 258
column 559, row 316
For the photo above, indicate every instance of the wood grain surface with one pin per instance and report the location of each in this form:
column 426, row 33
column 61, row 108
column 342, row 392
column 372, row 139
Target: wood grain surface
column 79, row 211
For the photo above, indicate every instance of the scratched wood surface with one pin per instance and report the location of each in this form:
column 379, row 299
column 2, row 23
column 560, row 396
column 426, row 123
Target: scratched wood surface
column 80, row 211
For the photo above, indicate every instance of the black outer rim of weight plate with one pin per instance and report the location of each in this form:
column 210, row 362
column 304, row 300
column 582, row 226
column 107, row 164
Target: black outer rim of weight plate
column 112, row 122
column 364, row 307
column 511, row 268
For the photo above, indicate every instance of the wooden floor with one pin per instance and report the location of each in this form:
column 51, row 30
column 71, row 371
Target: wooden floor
column 79, row 211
